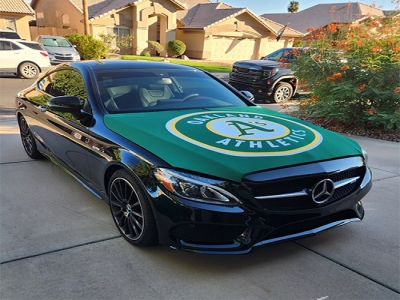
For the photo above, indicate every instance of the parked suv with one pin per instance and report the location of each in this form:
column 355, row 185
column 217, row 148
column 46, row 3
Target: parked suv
column 9, row 34
column 59, row 49
column 23, row 58
column 268, row 77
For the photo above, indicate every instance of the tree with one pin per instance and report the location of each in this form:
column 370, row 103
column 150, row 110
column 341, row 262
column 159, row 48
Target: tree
column 293, row 6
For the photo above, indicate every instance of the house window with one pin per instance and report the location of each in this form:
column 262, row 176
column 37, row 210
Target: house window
column 119, row 31
column 10, row 23
column 65, row 19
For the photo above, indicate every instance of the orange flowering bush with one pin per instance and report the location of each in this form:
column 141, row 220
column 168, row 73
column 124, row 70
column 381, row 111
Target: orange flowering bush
column 354, row 72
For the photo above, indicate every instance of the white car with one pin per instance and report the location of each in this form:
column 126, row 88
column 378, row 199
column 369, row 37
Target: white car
column 23, row 58
column 7, row 33
column 59, row 48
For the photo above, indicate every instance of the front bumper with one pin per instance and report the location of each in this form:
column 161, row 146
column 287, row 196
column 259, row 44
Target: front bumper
column 214, row 229
column 54, row 62
column 258, row 90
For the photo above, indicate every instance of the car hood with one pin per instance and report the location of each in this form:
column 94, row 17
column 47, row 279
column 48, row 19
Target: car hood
column 230, row 143
column 259, row 63
column 61, row 50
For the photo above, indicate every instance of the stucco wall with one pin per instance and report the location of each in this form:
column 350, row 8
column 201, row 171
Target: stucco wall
column 194, row 41
column 50, row 13
column 21, row 22
column 145, row 16
column 231, row 37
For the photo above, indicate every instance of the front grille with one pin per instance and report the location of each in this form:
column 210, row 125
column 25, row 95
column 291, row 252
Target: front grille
column 66, row 58
column 206, row 233
column 305, row 183
column 246, row 74
column 311, row 224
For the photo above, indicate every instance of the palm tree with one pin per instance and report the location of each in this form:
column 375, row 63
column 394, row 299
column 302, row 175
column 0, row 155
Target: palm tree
column 293, row 6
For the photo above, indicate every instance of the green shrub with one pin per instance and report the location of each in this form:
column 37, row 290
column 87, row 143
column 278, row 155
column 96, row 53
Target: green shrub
column 156, row 46
column 176, row 48
column 87, row 46
column 354, row 73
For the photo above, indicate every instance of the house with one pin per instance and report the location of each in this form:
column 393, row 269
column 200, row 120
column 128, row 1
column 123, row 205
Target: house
column 321, row 15
column 210, row 30
column 221, row 32
column 15, row 14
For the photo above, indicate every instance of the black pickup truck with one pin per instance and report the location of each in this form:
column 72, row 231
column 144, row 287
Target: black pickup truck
column 268, row 78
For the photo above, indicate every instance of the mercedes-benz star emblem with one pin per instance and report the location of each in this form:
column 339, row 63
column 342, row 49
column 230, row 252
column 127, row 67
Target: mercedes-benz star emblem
column 323, row 191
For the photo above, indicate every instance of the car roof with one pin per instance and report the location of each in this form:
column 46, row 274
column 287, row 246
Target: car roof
column 18, row 40
column 112, row 64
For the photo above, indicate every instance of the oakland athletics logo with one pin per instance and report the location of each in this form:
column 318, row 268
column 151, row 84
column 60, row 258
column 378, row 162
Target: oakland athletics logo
column 244, row 134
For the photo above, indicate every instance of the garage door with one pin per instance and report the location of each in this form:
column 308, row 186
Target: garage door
column 232, row 48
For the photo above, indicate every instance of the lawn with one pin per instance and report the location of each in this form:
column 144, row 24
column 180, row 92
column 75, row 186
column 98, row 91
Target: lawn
column 213, row 67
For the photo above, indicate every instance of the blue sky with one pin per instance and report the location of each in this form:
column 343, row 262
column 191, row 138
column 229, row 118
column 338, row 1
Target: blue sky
column 260, row 7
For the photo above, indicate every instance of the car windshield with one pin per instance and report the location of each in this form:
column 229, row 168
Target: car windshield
column 56, row 42
column 130, row 90
column 284, row 55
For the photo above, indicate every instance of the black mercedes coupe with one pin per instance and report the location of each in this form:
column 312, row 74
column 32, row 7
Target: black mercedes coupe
column 186, row 160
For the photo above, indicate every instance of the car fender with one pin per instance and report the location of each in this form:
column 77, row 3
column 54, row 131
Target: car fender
column 289, row 78
column 133, row 163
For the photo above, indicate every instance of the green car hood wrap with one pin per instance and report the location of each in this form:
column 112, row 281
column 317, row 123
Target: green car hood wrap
column 230, row 143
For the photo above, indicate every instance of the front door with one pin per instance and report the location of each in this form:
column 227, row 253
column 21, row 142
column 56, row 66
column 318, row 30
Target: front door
column 64, row 137
column 10, row 56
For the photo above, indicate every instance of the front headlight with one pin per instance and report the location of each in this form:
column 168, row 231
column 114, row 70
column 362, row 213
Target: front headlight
column 270, row 73
column 195, row 187
column 365, row 155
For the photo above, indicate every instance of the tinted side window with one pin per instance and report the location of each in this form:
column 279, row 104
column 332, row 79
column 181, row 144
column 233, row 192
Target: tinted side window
column 4, row 46
column 9, row 35
column 67, row 83
column 15, row 46
column 32, row 46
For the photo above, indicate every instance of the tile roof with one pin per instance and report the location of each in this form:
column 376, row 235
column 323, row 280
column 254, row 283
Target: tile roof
column 16, row 6
column 277, row 26
column 204, row 15
column 189, row 4
column 97, row 8
column 208, row 14
column 322, row 14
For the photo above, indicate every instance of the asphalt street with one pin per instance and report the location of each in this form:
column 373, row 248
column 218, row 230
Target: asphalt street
column 58, row 241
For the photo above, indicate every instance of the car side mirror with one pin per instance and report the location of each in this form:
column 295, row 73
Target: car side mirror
column 248, row 95
column 66, row 104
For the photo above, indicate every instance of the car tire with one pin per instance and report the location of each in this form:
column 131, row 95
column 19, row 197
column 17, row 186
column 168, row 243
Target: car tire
column 28, row 70
column 283, row 92
column 131, row 210
column 28, row 141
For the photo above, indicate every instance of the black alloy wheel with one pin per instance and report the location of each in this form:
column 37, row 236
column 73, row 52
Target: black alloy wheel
column 283, row 92
column 131, row 209
column 28, row 140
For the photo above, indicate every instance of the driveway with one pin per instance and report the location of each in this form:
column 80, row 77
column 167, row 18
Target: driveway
column 58, row 241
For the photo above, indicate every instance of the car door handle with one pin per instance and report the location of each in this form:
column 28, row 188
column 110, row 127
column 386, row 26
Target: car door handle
column 42, row 108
